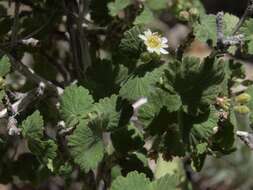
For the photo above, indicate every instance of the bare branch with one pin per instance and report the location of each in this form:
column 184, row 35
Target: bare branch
column 246, row 137
column 29, row 73
column 78, row 40
column 14, row 31
column 222, row 41
column 248, row 12
column 219, row 25
column 21, row 104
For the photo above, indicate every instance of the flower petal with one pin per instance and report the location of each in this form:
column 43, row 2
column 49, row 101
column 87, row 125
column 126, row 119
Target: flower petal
column 165, row 45
column 163, row 51
column 151, row 50
column 142, row 37
column 148, row 33
column 164, row 40
column 158, row 51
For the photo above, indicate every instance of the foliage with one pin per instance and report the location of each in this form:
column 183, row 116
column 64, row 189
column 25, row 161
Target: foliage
column 97, row 105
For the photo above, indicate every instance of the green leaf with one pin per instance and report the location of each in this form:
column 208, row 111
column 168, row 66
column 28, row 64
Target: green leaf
column 2, row 94
column 156, row 101
column 157, row 5
column 32, row 127
column 86, row 146
column 167, row 182
column 247, row 30
column 206, row 29
column 203, row 81
column 32, row 130
column 134, row 89
column 75, row 103
column 172, row 144
column 145, row 17
column 138, row 86
column 133, row 180
column 230, row 21
column 201, row 132
column 117, row 6
column 138, row 181
column 131, row 43
column 43, row 150
column 224, row 139
column 5, row 66
column 127, row 139
column 108, row 108
column 201, row 148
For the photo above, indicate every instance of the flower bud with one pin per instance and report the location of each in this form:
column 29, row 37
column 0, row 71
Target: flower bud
column 243, row 98
column 194, row 12
column 184, row 15
column 146, row 57
column 223, row 102
column 242, row 109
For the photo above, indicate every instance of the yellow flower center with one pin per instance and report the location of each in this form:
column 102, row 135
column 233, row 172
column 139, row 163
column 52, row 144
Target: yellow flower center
column 154, row 41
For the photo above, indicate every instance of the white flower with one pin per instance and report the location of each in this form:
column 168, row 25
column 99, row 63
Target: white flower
column 154, row 42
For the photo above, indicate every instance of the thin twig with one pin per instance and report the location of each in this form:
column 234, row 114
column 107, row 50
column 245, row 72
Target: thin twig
column 78, row 41
column 29, row 73
column 24, row 102
column 248, row 12
column 246, row 137
column 219, row 26
column 32, row 34
column 14, row 31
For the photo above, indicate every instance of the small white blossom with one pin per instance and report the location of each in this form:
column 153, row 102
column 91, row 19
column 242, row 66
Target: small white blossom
column 154, row 42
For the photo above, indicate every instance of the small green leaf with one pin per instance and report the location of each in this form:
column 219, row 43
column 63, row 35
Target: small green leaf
column 127, row 139
column 157, row 5
column 32, row 127
column 145, row 17
column 108, row 108
column 86, row 146
column 32, row 130
column 75, row 102
column 156, row 101
column 206, row 29
column 117, row 6
column 5, row 66
column 167, row 182
column 133, row 180
column 201, row 148
column 137, row 87
column 43, row 150
column 247, row 30
column 134, row 89
column 131, row 43
column 2, row 94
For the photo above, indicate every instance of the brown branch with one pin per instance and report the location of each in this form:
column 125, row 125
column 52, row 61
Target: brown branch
column 30, row 74
column 78, row 40
column 14, row 31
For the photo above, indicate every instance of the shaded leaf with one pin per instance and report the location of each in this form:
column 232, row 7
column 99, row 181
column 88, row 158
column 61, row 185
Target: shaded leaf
column 86, row 146
column 5, row 66
column 117, row 6
column 145, row 17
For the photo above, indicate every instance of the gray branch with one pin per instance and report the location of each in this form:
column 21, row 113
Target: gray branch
column 248, row 12
column 21, row 104
column 246, row 137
